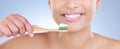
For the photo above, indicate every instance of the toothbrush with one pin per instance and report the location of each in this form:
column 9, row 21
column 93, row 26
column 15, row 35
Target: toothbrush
column 62, row 28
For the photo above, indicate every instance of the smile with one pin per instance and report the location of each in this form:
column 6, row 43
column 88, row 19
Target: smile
column 71, row 17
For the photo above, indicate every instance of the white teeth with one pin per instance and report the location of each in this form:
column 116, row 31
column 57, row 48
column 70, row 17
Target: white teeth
column 72, row 16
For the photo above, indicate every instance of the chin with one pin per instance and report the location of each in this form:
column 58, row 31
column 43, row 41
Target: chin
column 74, row 28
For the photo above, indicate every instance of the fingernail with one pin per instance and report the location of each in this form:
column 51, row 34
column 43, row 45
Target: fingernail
column 31, row 34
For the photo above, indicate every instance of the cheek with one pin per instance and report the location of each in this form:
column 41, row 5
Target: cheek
column 56, row 7
column 55, row 14
column 90, row 9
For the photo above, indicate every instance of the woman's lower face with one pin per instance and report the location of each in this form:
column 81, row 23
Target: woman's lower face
column 77, row 14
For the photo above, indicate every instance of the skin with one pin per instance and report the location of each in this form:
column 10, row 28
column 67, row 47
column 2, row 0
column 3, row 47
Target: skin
column 76, row 38
column 15, row 24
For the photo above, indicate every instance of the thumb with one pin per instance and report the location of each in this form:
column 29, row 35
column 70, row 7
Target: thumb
column 33, row 26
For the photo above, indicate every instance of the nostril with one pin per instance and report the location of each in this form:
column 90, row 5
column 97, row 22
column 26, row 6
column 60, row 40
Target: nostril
column 71, row 5
column 75, row 7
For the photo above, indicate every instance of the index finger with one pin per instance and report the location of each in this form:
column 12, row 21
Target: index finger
column 28, row 27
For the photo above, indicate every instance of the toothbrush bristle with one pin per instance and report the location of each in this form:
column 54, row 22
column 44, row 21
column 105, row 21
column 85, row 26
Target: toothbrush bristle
column 63, row 27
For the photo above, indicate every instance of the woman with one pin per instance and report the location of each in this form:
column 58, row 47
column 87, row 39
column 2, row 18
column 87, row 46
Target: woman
column 77, row 14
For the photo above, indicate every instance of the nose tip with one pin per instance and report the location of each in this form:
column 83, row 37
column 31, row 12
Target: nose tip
column 71, row 5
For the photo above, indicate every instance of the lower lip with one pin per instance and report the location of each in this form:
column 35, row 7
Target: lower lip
column 72, row 19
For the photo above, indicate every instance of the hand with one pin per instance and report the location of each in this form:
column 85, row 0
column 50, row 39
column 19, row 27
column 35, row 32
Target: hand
column 15, row 24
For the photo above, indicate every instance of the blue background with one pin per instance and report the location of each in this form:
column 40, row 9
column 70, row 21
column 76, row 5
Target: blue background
column 106, row 21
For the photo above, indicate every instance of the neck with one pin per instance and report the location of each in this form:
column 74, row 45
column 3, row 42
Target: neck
column 76, row 39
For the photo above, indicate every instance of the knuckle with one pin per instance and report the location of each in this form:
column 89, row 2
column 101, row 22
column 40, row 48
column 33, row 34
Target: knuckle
column 19, row 16
column 3, row 22
column 10, row 16
column 25, row 21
